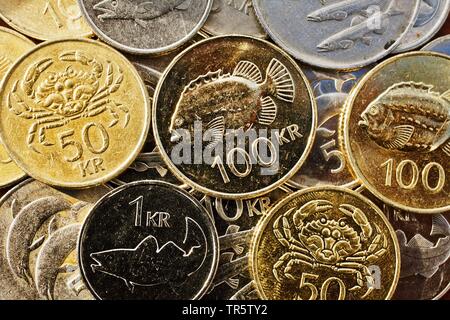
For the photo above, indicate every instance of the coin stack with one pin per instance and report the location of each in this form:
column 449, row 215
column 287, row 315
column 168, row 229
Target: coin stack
column 226, row 149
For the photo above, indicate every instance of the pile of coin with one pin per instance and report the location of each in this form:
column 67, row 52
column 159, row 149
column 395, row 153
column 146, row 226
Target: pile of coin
column 226, row 149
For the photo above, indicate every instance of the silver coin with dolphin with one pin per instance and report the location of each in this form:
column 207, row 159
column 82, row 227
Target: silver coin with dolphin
column 39, row 228
column 148, row 240
column 145, row 27
column 337, row 34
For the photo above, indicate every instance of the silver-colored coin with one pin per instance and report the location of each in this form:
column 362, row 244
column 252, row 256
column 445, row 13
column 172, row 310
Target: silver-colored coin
column 337, row 34
column 327, row 163
column 432, row 16
column 233, row 17
column 146, row 27
column 39, row 228
column 440, row 45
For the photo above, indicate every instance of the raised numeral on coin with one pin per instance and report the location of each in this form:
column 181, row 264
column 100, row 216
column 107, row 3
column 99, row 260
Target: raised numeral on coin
column 324, row 288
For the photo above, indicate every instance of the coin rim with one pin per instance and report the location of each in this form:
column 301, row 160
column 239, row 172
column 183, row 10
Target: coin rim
column 430, row 46
column 234, row 196
column 143, row 51
column 364, row 61
column 129, row 158
column 261, row 226
column 174, row 188
column 346, row 127
column 429, row 32
column 36, row 35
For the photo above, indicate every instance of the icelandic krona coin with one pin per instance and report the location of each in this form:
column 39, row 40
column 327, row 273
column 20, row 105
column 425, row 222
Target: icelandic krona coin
column 432, row 16
column 39, row 228
column 148, row 240
column 396, row 131
column 12, row 46
column 146, row 27
column 440, row 45
column 234, row 117
column 45, row 19
column 67, row 109
column 233, row 17
column 424, row 242
column 325, row 243
column 337, row 34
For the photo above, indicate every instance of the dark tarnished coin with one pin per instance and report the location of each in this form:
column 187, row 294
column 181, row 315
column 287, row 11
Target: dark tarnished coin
column 337, row 34
column 425, row 250
column 39, row 229
column 148, row 240
column 146, row 27
column 397, row 131
column 432, row 16
column 327, row 163
column 234, row 117
column 233, row 17
column 325, row 243
column 440, row 45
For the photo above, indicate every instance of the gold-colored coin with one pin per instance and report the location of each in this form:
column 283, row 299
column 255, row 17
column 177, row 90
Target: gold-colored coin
column 396, row 131
column 74, row 113
column 325, row 243
column 12, row 46
column 45, row 19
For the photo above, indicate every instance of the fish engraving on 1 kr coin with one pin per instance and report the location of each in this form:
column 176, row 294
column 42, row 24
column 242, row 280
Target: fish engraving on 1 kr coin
column 397, row 133
column 341, row 34
column 235, row 97
column 40, row 227
column 45, row 19
column 162, row 25
column 325, row 236
column 69, row 111
column 157, row 226
column 12, row 46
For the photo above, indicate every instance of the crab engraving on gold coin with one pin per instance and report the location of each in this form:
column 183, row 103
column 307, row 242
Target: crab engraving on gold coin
column 66, row 108
column 325, row 243
column 396, row 130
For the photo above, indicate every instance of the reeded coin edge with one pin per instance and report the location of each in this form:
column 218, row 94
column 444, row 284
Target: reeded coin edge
column 34, row 34
column 261, row 226
column 248, row 195
column 131, row 157
column 444, row 13
column 195, row 202
column 140, row 51
column 345, row 131
column 342, row 67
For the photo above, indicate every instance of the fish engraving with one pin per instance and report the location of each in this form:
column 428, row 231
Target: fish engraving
column 51, row 257
column 233, row 101
column 23, row 229
column 342, row 10
column 151, row 264
column 361, row 29
column 409, row 116
column 420, row 256
column 140, row 13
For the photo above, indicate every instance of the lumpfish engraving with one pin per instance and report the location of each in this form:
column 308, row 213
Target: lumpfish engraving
column 409, row 116
column 233, row 101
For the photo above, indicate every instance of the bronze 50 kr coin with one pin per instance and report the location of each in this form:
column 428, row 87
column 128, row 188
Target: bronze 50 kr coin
column 148, row 240
column 45, row 19
column 325, row 243
column 337, row 34
column 12, row 46
column 234, row 117
column 146, row 27
column 74, row 113
column 397, row 132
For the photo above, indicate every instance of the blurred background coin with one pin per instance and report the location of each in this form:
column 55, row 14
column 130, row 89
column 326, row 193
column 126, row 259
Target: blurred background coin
column 337, row 34
column 440, row 45
column 143, row 27
column 45, row 19
column 67, row 108
column 148, row 240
